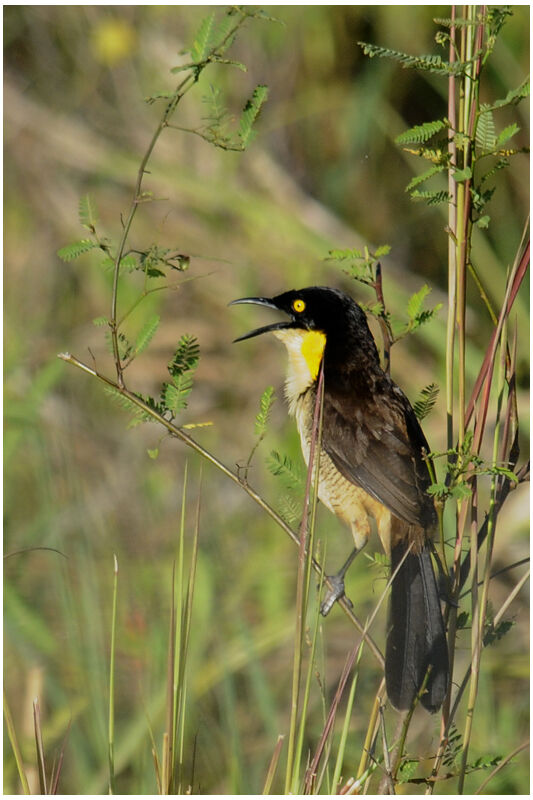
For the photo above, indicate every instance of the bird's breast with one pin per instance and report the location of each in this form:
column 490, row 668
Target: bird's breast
column 305, row 350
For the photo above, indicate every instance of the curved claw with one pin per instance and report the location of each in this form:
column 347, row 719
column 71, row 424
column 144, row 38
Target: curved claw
column 335, row 592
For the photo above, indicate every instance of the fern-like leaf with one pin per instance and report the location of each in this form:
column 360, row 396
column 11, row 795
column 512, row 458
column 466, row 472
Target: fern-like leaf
column 181, row 370
column 76, row 249
column 290, row 509
column 146, row 334
column 422, row 133
column 414, row 305
column 265, row 406
column 203, row 41
column 507, row 133
column 424, row 176
column 429, row 63
column 87, row 213
column 225, row 32
column 458, row 22
column 513, row 96
column 427, row 399
column 128, row 263
column 342, row 255
column 139, row 415
column 186, row 356
column 250, row 113
column 283, row 467
column 431, row 198
column 175, row 394
column 485, row 130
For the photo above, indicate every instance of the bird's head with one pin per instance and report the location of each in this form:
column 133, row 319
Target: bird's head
column 329, row 312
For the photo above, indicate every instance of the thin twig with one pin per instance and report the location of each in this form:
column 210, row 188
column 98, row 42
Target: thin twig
column 182, row 435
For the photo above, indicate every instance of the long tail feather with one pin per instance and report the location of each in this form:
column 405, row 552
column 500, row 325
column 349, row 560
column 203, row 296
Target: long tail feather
column 416, row 638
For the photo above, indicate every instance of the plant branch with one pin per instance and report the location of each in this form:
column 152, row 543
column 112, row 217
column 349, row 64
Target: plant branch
column 184, row 437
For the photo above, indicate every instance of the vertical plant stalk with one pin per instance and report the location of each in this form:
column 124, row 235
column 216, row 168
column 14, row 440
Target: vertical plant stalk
column 478, row 622
column 452, row 240
column 371, row 732
column 111, row 718
column 346, row 726
column 178, row 659
column 13, row 740
column 304, row 555
column 184, row 649
column 181, row 90
column 39, row 747
column 273, row 764
column 459, row 245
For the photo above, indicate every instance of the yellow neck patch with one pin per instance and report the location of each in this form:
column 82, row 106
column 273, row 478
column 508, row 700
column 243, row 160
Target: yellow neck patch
column 313, row 344
column 305, row 350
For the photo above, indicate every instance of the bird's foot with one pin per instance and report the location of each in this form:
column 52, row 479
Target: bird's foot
column 335, row 592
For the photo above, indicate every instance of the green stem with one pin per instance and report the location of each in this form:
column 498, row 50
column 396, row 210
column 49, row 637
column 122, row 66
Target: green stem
column 181, row 90
column 183, row 87
column 12, row 736
column 111, row 724
column 293, row 761
column 480, row 609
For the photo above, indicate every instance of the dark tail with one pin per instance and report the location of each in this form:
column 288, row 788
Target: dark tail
column 416, row 638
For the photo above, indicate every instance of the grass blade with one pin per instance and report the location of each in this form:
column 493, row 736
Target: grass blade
column 12, row 736
column 39, row 746
column 273, row 764
column 111, row 723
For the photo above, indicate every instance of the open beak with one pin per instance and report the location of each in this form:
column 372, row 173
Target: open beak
column 260, row 301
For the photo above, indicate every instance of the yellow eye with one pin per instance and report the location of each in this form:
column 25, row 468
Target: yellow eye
column 298, row 305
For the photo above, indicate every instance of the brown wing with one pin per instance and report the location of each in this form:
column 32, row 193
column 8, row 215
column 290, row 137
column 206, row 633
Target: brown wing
column 373, row 437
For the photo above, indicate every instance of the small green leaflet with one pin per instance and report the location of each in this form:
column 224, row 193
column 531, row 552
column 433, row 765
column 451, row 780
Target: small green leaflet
column 87, row 212
column 283, row 467
column 139, row 414
column 290, row 509
column 427, row 399
column 431, row 198
column 181, row 370
column 414, row 305
column 424, row 176
column 76, row 249
column 422, row 133
column 485, row 130
column 341, row 255
column 127, row 264
column 147, row 332
column 513, row 96
column 265, row 405
column 429, row 63
column 203, row 40
column 507, row 133
column 250, row 113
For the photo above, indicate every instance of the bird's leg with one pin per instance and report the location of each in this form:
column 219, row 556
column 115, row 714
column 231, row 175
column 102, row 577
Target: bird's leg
column 336, row 589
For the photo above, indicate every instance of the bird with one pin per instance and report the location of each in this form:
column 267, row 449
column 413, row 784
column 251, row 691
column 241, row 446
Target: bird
column 372, row 467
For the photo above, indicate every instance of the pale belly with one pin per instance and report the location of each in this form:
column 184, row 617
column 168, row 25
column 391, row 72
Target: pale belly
column 343, row 498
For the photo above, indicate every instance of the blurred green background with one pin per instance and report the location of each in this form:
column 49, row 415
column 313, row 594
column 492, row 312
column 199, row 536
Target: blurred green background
column 323, row 172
